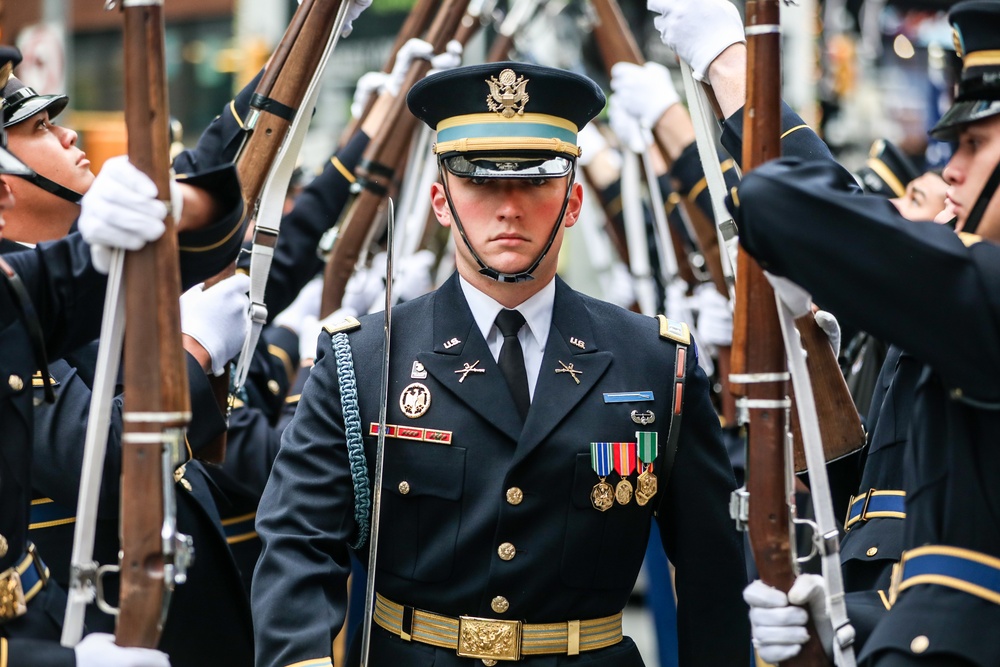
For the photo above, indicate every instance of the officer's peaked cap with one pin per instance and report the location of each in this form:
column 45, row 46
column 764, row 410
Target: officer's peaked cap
column 887, row 170
column 976, row 25
column 506, row 119
column 9, row 164
column 21, row 101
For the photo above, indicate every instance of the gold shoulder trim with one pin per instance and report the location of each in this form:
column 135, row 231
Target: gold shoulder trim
column 347, row 324
column 969, row 239
column 674, row 330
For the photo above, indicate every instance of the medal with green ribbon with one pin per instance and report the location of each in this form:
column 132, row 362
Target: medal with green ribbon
column 602, row 497
column 648, row 449
column 624, row 466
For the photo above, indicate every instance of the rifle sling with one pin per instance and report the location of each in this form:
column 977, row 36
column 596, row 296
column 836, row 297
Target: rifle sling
column 273, row 107
column 22, row 300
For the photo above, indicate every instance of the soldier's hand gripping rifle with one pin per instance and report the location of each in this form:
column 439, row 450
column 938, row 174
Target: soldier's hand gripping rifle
column 375, row 171
column 157, row 409
column 760, row 374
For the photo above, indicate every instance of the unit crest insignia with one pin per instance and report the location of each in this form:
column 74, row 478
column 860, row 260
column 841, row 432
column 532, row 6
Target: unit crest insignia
column 415, row 400
column 507, row 94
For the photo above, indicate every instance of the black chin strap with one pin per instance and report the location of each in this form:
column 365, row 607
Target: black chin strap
column 976, row 214
column 51, row 186
column 488, row 271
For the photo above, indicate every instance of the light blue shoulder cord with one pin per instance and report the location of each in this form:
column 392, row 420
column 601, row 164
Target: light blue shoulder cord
column 352, row 428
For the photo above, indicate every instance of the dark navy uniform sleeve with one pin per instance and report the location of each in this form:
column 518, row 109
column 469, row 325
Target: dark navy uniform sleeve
column 886, row 250
column 305, row 520
column 700, row 539
column 36, row 653
column 797, row 138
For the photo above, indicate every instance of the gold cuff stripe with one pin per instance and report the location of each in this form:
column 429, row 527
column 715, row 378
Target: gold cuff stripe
column 312, row 662
column 951, row 582
column 218, row 243
column 795, row 129
column 245, row 537
column 280, row 354
column 232, row 110
column 884, row 599
column 724, row 166
column 982, row 59
column 293, row 399
column 344, row 171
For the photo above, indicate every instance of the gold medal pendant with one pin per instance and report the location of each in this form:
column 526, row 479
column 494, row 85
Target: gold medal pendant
column 646, row 486
column 602, row 497
column 623, row 492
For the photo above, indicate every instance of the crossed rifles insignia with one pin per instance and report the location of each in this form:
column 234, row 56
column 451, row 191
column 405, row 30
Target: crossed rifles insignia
column 507, row 94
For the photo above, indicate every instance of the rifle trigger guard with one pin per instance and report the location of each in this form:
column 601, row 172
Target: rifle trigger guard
column 98, row 579
column 816, row 541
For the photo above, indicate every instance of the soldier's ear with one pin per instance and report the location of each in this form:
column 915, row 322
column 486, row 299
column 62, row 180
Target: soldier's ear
column 439, row 202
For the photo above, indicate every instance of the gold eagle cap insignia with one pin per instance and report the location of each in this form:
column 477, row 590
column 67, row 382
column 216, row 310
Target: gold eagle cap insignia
column 508, row 94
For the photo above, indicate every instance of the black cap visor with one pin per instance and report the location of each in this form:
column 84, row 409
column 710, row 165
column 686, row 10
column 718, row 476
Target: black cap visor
column 963, row 113
column 18, row 110
column 508, row 165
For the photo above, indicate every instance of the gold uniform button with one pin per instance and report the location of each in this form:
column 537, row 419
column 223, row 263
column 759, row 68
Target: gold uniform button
column 871, row 552
column 273, row 387
column 507, row 551
column 15, row 382
column 920, row 644
column 514, row 495
column 404, row 487
column 4, row 547
column 186, row 484
column 499, row 604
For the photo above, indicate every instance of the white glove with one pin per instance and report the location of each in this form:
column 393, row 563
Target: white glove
column 715, row 317
column 217, row 318
column 311, row 326
column 616, row 285
column 353, row 11
column 630, row 133
column 449, row 59
column 413, row 278
column 305, row 305
column 831, row 327
column 99, row 650
column 365, row 286
column 120, row 210
column 408, row 52
column 778, row 622
column 697, row 30
column 645, row 91
column 369, row 84
column 798, row 300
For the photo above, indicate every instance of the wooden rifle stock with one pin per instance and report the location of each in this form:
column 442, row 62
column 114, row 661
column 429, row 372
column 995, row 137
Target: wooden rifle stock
column 758, row 347
column 617, row 44
column 375, row 170
column 157, row 406
column 278, row 96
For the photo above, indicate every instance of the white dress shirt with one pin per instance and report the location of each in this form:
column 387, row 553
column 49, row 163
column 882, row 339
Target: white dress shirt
column 537, row 313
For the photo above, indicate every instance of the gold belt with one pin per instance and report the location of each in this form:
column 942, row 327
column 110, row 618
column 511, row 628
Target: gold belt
column 495, row 639
column 20, row 583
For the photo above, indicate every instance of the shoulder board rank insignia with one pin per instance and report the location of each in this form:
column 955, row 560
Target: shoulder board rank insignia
column 347, row 324
column 674, row 330
column 969, row 239
column 37, row 382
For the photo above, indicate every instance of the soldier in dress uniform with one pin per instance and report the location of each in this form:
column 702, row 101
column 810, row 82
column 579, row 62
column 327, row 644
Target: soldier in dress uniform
column 50, row 300
column 532, row 432
column 944, row 596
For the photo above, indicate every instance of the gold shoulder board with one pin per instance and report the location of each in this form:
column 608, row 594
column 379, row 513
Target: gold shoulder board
column 37, row 382
column 674, row 330
column 347, row 324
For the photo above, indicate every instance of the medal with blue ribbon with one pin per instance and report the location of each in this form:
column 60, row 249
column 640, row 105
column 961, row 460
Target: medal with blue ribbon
column 647, row 451
column 602, row 497
column 624, row 466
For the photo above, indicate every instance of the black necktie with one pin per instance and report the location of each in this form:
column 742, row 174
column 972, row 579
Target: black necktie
column 511, row 359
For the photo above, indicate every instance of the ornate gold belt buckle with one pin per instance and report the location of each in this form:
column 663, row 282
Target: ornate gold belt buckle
column 489, row 639
column 12, row 602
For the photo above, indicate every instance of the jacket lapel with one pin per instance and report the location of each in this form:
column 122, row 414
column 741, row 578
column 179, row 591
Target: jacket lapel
column 458, row 344
column 570, row 352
